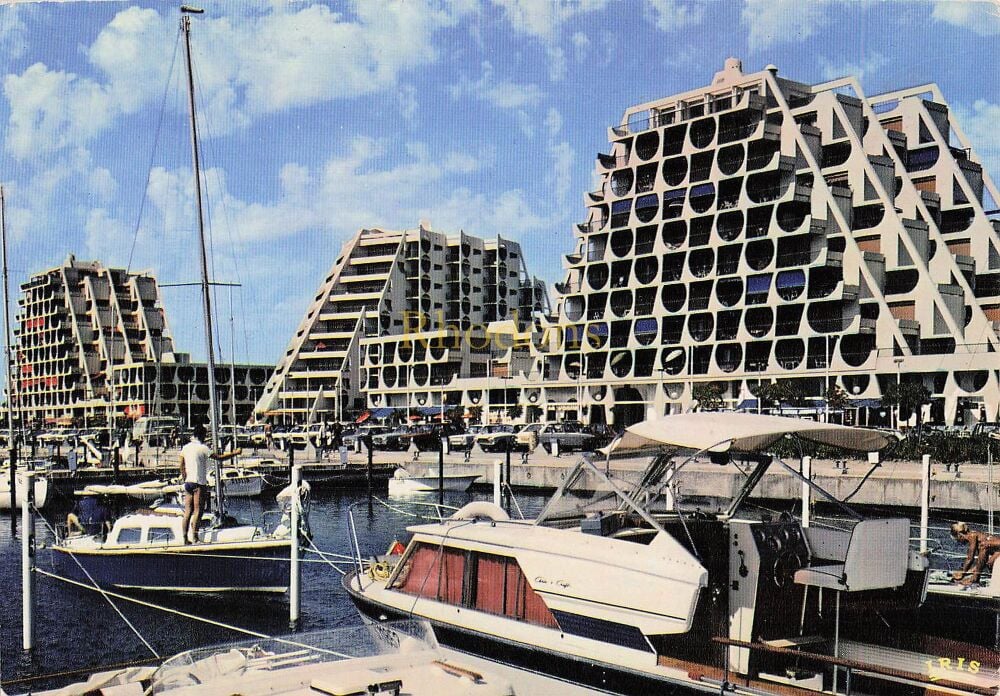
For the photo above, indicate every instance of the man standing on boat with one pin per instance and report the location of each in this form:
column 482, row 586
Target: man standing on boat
column 194, row 473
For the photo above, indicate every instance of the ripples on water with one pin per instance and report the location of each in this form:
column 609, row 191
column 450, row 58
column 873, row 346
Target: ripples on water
column 77, row 628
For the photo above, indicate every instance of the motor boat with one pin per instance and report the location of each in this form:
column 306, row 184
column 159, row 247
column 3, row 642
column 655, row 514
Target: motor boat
column 617, row 585
column 41, row 484
column 389, row 658
column 403, row 482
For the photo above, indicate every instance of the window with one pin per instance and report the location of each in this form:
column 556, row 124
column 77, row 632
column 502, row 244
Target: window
column 129, row 535
column 425, row 575
column 161, row 535
column 501, row 588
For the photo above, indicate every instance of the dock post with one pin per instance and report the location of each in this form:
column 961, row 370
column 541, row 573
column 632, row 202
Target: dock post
column 12, row 456
column 368, row 475
column 28, row 563
column 506, row 475
column 925, row 500
column 441, row 470
column 806, row 490
column 291, row 461
column 497, row 473
column 294, row 600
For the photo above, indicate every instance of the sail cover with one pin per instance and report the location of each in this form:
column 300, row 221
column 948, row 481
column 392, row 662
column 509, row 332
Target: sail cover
column 738, row 432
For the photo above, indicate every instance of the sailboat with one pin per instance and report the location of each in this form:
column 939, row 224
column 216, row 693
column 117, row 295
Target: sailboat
column 39, row 493
column 146, row 550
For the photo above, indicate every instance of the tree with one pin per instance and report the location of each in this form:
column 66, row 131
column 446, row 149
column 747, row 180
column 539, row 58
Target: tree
column 514, row 412
column 836, row 398
column 708, row 395
column 907, row 397
column 475, row 414
column 534, row 413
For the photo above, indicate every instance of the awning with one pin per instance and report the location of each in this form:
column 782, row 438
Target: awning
column 363, row 417
column 746, row 404
column 738, row 432
column 431, row 410
column 865, row 403
column 382, row 412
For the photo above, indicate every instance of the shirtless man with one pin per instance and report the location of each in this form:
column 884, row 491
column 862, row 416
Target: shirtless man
column 984, row 550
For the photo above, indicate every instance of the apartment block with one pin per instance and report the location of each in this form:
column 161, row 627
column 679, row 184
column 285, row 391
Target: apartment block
column 407, row 319
column 92, row 339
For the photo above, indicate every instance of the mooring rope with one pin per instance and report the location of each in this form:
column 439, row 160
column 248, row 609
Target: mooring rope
column 98, row 588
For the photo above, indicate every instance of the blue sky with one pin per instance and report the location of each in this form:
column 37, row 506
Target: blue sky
column 321, row 118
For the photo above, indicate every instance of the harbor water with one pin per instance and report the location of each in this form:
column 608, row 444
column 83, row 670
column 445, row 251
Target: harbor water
column 80, row 629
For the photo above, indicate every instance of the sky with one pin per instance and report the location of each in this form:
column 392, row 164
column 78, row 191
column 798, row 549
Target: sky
column 318, row 119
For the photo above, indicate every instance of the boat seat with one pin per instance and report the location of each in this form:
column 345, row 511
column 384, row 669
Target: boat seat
column 874, row 555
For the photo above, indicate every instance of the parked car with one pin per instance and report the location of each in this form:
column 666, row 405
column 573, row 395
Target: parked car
column 363, row 431
column 257, row 434
column 427, row 438
column 603, row 435
column 465, row 440
column 156, row 430
column 56, row 436
column 527, row 438
column 280, row 434
column 569, row 434
column 396, row 440
column 496, row 438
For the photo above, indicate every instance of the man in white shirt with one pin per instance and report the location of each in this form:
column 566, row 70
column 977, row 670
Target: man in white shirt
column 194, row 473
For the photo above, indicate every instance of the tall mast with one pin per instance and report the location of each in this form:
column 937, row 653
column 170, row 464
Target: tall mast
column 206, row 299
column 9, row 364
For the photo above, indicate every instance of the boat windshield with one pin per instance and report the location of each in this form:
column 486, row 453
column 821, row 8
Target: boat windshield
column 204, row 665
column 589, row 490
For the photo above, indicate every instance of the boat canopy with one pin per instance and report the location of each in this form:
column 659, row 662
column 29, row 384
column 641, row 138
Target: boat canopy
column 737, row 432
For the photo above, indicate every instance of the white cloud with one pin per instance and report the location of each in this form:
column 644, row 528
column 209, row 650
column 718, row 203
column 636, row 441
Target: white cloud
column 557, row 63
column 503, row 94
column 13, row 32
column 979, row 123
column 581, row 45
column 553, row 121
column 279, row 57
column 867, row 65
column 981, row 17
column 771, row 22
column 106, row 238
column 671, row 15
column 563, row 165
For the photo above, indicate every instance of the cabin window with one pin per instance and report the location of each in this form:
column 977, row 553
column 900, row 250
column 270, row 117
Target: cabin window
column 160, row 535
column 433, row 572
column 501, row 588
column 129, row 535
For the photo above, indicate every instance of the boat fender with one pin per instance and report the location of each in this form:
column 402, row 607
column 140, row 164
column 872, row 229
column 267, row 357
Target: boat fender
column 481, row 510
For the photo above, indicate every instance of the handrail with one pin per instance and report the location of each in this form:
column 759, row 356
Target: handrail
column 866, row 667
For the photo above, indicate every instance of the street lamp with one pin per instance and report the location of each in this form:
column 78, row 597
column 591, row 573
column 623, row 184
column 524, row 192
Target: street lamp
column 898, row 361
column 577, row 364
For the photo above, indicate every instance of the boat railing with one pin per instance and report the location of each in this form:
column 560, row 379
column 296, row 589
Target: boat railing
column 942, row 678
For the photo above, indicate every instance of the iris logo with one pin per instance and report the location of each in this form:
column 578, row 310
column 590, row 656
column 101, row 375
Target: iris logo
column 943, row 667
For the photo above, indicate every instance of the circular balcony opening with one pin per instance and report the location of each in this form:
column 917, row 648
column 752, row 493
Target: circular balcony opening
column 646, row 269
column 420, row 374
column 621, row 363
column 758, row 321
column 971, row 381
column 426, row 284
column 437, row 351
column 646, row 207
column 621, row 303
column 621, row 242
column 790, row 284
column 729, row 291
column 791, row 215
column 675, row 171
column 672, row 360
column 856, row 349
column 597, row 335
column 701, row 262
column 574, row 308
column 674, row 233
column 674, row 297
column 789, row 352
column 730, row 225
column 731, row 159
column 597, row 275
column 621, row 182
column 760, row 254
column 729, row 356
column 425, row 265
column 405, row 351
column 646, row 330
column 703, row 132
column 647, row 144
column 702, row 197
column 701, row 326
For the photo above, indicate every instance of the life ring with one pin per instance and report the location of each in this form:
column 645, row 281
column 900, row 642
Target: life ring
column 481, row 510
column 379, row 571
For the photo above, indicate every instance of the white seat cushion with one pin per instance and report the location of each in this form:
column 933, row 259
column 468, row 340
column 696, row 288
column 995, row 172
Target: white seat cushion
column 821, row 576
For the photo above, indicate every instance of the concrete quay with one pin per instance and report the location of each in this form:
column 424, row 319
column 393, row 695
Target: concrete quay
column 894, row 484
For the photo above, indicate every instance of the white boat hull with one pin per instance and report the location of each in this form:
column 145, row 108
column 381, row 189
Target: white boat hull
column 41, row 490
column 430, row 484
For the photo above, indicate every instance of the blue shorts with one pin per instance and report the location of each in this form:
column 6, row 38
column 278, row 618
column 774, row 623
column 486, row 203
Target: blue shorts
column 191, row 487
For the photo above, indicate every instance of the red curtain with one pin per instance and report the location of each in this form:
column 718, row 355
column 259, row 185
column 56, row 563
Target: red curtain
column 450, row 590
column 490, row 584
column 420, row 576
